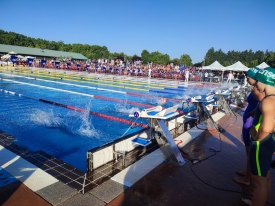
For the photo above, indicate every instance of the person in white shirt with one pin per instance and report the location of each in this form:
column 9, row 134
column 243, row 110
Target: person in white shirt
column 206, row 76
column 186, row 75
column 229, row 78
column 149, row 72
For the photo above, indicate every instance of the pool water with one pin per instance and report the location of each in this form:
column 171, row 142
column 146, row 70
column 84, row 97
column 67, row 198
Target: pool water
column 68, row 134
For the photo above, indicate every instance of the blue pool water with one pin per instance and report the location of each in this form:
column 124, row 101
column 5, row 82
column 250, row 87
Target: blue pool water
column 6, row 178
column 67, row 134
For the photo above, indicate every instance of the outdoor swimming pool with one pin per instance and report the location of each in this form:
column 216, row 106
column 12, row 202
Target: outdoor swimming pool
column 65, row 115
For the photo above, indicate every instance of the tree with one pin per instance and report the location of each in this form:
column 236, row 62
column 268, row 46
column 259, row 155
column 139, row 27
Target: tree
column 176, row 61
column 186, row 60
column 145, row 55
column 270, row 59
column 209, row 56
column 159, row 58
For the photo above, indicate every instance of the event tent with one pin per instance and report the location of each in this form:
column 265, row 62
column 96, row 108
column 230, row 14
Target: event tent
column 262, row 65
column 238, row 66
column 214, row 66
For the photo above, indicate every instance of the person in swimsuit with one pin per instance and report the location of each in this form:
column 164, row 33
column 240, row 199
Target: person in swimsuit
column 253, row 98
column 262, row 144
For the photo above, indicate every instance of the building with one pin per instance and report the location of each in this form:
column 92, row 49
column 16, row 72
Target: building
column 39, row 53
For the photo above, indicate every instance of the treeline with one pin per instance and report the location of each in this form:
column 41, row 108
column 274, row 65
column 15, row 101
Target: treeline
column 247, row 57
column 90, row 51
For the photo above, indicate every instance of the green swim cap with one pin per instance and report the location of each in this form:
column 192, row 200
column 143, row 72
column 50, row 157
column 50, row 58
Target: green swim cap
column 252, row 72
column 266, row 76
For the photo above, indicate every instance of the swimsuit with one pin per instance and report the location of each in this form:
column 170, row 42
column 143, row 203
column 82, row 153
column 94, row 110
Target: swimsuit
column 248, row 119
column 260, row 153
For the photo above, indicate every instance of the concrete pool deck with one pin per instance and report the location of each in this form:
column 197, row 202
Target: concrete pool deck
column 167, row 184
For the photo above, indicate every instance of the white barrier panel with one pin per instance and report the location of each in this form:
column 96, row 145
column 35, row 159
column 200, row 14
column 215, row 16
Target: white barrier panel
column 103, row 156
column 127, row 145
column 172, row 124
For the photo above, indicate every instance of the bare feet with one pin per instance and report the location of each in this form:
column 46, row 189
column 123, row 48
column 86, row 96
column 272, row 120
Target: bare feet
column 241, row 180
column 240, row 173
column 247, row 201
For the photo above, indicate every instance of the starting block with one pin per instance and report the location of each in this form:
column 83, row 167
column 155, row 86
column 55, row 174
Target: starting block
column 155, row 117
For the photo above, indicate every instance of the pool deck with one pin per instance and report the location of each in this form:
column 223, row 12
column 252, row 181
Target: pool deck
column 167, row 184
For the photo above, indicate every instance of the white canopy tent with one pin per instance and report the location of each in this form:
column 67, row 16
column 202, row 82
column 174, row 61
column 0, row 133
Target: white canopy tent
column 12, row 52
column 238, row 66
column 6, row 56
column 214, row 66
column 20, row 56
column 262, row 65
column 29, row 57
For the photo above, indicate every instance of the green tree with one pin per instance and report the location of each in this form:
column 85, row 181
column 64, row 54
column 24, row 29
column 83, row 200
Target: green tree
column 270, row 59
column 146, row 56
column 186, row 60
column 159, row 58
column 176, row 61
column 209, row 57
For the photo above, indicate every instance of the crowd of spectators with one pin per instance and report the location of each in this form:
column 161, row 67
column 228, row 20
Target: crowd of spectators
column 120, row 67
column 134, row 68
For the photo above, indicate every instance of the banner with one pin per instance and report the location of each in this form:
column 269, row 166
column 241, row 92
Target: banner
column 78, row 66
column 43, row 62
column 57, row 64
column 30, row 60
column 68, row 65
column 13, row 59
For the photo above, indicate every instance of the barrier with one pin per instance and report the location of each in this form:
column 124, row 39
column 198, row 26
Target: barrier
column 106, row 153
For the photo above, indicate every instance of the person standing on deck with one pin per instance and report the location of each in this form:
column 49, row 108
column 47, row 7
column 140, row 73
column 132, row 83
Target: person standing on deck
column 187, row 75
column 253, row 98
column 230, row 77
column 262, row 144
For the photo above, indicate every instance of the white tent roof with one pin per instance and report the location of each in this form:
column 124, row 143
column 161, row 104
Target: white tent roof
column 263, row 65
column 214, row 66
column 238, row 66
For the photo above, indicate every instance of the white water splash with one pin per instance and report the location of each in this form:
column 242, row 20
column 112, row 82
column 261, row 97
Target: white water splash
column 86, row 126
column 73, row 122
column 47, row 119
column 124, row 109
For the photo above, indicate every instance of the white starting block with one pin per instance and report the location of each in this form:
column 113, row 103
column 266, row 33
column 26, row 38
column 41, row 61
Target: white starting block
column 224, row 92
column 208, row 98
column 159, row 113
column 155, row 117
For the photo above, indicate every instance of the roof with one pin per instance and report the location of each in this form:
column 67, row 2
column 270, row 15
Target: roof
column 4, row 48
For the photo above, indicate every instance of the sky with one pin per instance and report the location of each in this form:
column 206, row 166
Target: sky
column 172, row 27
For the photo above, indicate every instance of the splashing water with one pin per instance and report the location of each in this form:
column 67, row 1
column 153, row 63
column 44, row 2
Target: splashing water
column 73, row 122
column 124, row 109
column 86, row 127
column 47, row 119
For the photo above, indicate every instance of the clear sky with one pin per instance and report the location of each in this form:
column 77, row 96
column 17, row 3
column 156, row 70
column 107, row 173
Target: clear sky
column 172, row 27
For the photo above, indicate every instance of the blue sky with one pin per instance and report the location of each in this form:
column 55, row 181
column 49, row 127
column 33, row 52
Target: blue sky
column 170, row 27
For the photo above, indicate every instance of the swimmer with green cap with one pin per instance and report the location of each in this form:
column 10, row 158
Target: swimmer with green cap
column 266, row 76
column 252, row 101
column 252, row 72
column 262, row 137
column 250, row 75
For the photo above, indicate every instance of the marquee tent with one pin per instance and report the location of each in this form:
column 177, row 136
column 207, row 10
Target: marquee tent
column 6, row 56
column 263, row 65
column 214, row 66
column 238, row 66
